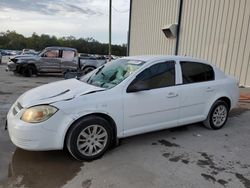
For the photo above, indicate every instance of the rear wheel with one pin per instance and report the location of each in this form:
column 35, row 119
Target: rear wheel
column 86, row 70
column 89, row 138
column 217, row 116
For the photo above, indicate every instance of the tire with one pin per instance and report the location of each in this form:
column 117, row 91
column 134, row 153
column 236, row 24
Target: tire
column 28, row 71
column 19, row 70
column 81, row 138
column 214, row 120
column 86, row 70
column 69, row 74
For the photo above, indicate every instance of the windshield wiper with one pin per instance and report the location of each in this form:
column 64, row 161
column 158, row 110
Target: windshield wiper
column 99, row 70
column 95, row 73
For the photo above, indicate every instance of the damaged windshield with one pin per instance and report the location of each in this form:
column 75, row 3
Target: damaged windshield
column 113, row 73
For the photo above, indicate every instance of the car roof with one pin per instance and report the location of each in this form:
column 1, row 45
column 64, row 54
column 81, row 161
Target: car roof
column 148, row 58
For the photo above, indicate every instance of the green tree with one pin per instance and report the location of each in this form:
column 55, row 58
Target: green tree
column 13, row 41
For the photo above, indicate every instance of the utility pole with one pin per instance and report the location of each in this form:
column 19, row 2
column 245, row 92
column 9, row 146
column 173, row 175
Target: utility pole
column 110, row 21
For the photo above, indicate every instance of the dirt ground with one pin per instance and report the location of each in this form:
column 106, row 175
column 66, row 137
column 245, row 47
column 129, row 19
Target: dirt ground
column 188, row 156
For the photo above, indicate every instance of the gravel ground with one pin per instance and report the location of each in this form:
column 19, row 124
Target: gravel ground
column 188, row 156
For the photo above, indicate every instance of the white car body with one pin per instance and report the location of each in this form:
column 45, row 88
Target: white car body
column 133, row 113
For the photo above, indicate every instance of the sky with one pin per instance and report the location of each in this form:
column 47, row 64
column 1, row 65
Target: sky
column 78, row 18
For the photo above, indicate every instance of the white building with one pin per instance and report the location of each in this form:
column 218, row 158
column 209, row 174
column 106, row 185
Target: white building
column 216, row 30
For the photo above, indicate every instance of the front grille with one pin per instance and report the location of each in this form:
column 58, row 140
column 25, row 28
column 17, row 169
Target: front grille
column 17, row 108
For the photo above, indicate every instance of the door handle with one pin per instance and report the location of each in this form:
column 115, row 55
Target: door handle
column 209, row 89
column 172, row 94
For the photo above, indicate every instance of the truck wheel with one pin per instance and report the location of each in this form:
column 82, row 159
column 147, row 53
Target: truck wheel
column 86, row 70
column 89, row 138
column 29, row 71
column 217, row 116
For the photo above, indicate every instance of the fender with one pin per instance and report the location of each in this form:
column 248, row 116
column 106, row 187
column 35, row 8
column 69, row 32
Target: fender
column 215, row 98
column 23, row 64
column 19, row 66
column 85, row 66
column 119, row 131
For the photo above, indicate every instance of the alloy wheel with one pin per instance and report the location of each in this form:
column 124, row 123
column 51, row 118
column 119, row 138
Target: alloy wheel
column 219, row 115
column 92, row 140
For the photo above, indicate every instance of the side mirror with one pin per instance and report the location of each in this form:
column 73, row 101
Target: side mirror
column 136, row 86
column 69, row 75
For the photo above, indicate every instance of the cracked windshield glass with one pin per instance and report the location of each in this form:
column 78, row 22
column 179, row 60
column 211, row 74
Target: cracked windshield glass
column 113, row 73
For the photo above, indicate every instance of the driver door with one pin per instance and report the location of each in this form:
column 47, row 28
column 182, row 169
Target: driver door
column 51, row 61
column 157, row 105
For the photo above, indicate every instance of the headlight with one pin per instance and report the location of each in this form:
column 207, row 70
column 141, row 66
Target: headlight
column 38, row 114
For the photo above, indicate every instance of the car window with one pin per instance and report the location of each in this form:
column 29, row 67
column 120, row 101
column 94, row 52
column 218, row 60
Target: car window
column 51, row 54
column 68, row 54
column 193, row 72
column 158, row 75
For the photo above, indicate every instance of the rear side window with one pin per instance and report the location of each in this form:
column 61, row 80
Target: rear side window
column 193, row 72
column 159, row 75
column 68, row 54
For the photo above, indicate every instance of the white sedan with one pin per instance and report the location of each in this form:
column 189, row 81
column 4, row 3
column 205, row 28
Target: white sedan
column 128, row 96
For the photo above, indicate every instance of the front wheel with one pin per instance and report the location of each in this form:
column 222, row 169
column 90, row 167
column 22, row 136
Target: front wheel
column 28, row 71
column 217, row 116
column 89, row 138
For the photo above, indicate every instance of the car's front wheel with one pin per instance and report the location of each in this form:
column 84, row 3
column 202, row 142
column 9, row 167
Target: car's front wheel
column 89, row 138
column 217, row 116
column 28, row 71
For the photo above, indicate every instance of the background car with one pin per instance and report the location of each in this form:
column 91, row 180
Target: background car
column 53, row 60
column 29, row 52
column 50, row 60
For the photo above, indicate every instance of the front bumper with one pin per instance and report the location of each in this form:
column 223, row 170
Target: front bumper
column 11, row 66
column 47, row 135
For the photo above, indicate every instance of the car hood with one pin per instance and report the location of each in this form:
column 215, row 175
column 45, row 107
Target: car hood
column 56, row 91
column 25, row 57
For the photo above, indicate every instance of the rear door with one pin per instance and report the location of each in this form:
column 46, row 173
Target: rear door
column 69, row 60
column 154, row 108
column 196, row 90
column 50, row 61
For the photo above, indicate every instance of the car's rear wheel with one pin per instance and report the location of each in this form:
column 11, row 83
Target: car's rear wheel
column 217, row 116
column 86, row 70
column 89, row 138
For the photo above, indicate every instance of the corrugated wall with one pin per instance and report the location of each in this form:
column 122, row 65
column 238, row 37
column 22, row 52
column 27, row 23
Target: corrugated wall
column 148, row 17
column 216, row 30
